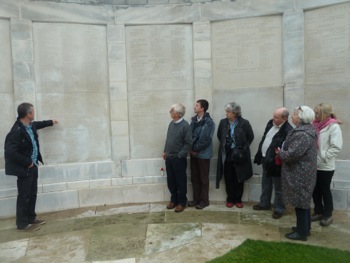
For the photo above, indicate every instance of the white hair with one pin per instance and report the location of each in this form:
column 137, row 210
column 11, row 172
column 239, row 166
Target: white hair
column 306, row 114
column 179, row 108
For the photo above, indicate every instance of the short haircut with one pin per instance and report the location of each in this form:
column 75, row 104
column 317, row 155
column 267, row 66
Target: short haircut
column 179, row 108
column 23, row 109
column 234, row 107
column 306, row 114
column 204, row 104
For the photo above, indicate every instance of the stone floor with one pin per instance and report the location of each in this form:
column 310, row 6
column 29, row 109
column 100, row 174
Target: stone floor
column 151, row 233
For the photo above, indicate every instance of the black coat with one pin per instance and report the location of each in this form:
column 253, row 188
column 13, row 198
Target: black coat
column 244, row 136
column 19, row 148
column 269, row 161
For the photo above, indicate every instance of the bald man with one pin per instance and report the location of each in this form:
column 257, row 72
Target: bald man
column 275, row 134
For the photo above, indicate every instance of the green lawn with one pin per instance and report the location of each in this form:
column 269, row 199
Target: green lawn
column 256, row 251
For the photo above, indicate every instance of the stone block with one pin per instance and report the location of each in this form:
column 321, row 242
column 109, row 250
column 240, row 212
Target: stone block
column 121, row 181
column 157, row 2
column 78, row 185
column 23, row 70
column 116, row 34
column 341, row 184
column 8, row 207
column 142, row 168
column 143, row 193
column 342, row 168
column 117, row 71
column 7, row 181
column 149, row 180
column 120, row 148
column 120, row 128
column 101, row 196
column 55, row 201
column 254, row 192
column 119, row 110
column 116, row 53
column 202, row 69
column 56, row 187
column 100, row 183
column 201, row 31
column 21, row 29
column 100, row 170
column 202, row 49
column 118, row 91
column 10, row 192
column 340, row 197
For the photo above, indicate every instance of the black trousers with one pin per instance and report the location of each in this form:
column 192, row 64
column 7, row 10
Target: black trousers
column 234, row 189
column 200, row 179
column 26, row 200
column 303, row 220
column 322, row 195
column 177, row 179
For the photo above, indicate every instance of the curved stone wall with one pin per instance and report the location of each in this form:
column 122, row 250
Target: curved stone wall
column 109, row 71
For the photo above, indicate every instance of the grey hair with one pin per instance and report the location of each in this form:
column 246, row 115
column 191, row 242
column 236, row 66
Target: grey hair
column 234, row 107
column 306, row 114
column 179, row 108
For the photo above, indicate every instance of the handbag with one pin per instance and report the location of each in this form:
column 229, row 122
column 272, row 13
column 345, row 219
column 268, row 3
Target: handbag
column 239, row 154
column 278, row 161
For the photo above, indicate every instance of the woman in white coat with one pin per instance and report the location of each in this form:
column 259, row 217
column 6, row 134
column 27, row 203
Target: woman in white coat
column 329, row 145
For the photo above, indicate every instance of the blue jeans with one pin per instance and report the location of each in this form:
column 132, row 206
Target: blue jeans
column 267, row 184
column 177, row 180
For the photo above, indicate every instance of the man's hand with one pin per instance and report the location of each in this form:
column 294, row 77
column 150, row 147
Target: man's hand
column 193, row 153
column 164, row 156
column 31, row 165
column 55, row 121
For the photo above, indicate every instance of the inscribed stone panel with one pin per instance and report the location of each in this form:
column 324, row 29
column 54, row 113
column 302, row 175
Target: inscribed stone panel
column 159, row 57
column 160, row 73
column 6, row 86
column 72, row 83
column 327, row 63
column 247, row 52
column 83, row 133
column 70, row 58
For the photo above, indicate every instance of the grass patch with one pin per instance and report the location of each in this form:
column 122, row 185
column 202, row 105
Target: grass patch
column 252, row 251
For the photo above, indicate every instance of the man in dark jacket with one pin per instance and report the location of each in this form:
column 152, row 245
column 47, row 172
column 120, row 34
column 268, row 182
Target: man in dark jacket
column 275, row 134
column 202, row 127
column 22, row 155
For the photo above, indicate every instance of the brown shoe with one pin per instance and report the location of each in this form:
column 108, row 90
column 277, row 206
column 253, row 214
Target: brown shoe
column 171, row 205
column 38, row 222
column 29, row 228
column 277, row 215
column 180, row 208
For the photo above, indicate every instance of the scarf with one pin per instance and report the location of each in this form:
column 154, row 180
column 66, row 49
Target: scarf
column 320, row 125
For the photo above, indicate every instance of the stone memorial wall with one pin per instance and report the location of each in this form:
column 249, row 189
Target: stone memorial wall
column 6, row 85
column 110, row 72
column 327, row 63
column 160, row 73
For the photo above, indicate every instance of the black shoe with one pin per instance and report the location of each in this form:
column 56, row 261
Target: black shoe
column 259, row 207
column 294, row 229
column 201, row 205
column 296, row 236
column 192, row 203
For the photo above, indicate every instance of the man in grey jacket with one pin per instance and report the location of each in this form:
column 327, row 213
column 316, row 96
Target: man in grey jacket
column 202, row 127
column 178, row 144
